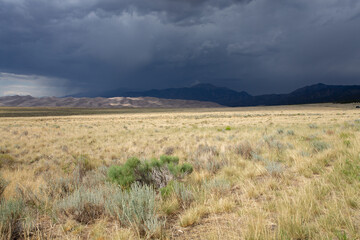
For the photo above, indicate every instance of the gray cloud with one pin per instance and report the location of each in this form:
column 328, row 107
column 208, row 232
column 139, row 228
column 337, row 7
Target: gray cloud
column 259, row 46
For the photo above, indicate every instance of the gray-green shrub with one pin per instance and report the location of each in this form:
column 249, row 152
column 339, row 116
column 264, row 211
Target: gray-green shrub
column 274, row 168
column 11, row 214
column 88, row 204
column 139, row 207
column 319, row 146
column 290, row 132
column 217, row 186
column 182, row 192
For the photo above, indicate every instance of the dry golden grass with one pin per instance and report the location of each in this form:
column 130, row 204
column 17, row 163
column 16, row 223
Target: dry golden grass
column 298, row 178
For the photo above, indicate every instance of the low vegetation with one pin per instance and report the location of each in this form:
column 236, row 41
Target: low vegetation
column 156, row 173
column 262, row 173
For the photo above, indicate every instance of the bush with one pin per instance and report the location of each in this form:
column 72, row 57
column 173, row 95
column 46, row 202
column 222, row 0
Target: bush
column 125, row 175
column 83, row 205
column 186, row 168
column 134, row 208
column 138, row 206
column 183, row 194
column 274, row 168
column 217, row 186
column 154, row 172
column 11, row 214
column 319, row 146
column 169, row 159
column 59, row 187
column 86, row 205
column 273, row 143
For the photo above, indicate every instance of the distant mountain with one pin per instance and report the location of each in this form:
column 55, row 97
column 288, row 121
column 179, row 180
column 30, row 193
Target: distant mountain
column 318, row 93
column 201, row 92
column 201, row 95
column 99, row 102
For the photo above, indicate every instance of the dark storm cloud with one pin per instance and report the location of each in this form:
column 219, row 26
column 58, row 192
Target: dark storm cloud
column 259, row 45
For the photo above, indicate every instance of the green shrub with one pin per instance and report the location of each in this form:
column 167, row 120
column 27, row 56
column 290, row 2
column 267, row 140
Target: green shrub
column 351, row 170
column 169, row 159
column 180, row 170
column 228, row 128
column 154, row 172
column 167, row 190
column 125, row 175
column 186, row 168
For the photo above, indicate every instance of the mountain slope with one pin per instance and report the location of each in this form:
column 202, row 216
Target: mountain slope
column 116, row 102
column 318, row 93
column 200, row 92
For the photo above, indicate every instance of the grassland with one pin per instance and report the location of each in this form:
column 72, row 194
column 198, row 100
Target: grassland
column 65, row 111
column 259, row 173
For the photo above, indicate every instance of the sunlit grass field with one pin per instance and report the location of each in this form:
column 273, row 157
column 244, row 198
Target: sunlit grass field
column 289, row 172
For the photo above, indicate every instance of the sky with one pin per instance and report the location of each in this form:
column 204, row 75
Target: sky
column 60, row 47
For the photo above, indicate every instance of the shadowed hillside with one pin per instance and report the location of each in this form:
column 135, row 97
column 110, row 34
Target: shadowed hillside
column 318, row 93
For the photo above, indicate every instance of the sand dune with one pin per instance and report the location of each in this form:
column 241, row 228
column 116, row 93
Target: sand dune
column 116, row 102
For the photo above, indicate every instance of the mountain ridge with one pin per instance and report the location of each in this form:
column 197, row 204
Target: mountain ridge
column 100, row 102
column 316, row 93
column 200, row 95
